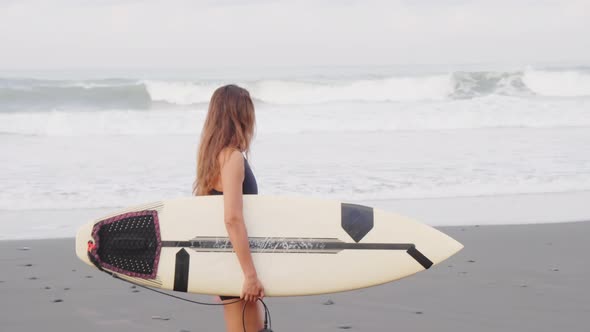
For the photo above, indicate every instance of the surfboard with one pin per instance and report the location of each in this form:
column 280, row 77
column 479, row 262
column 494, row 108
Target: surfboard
column 300, row 246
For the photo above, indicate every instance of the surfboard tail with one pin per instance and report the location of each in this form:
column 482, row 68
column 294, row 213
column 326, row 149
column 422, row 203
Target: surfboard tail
column 84, row 235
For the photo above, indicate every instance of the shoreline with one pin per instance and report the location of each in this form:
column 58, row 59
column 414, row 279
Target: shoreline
column 517, row 209
column 508, row 277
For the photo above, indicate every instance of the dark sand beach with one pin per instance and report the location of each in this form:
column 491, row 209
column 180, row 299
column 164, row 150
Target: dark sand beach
column 508, row 278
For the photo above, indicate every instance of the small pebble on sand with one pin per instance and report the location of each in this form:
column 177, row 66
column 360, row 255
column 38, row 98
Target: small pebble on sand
column 160, row 318
column 344, row 327
column 57, row 300
column 418, row 312
column 24, row 248
column 329, row 302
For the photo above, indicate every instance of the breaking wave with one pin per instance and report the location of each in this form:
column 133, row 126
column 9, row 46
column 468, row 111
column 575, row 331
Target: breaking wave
column 31, row 94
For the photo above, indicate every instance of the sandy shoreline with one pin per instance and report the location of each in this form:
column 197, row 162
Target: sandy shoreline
column 450, row 211
column 508, row 278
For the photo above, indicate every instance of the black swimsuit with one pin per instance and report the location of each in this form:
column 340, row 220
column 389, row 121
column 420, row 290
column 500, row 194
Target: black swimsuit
column 249, row 187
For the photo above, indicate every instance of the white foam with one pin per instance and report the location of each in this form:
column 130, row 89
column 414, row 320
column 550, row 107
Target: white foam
column 485, row 112
column 311, row 92
column 389, row 89
column 103, row 123
column 565, row 83
column 180, row 93
column 93, row 172
column 558, row 83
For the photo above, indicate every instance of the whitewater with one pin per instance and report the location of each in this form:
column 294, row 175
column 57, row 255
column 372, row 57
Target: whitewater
column 139, row 94
column 379, row 136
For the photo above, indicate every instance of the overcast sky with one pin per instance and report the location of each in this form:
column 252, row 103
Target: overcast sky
column 66, row 34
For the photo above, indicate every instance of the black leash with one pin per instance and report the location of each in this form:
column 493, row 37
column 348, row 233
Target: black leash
column 267, row 320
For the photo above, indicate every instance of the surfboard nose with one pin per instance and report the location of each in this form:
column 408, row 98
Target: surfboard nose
column 455, row 246
column 84, row 235
column 448, row 248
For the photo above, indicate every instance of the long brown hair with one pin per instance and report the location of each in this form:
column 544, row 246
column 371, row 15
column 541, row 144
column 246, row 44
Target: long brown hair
column 229, row 124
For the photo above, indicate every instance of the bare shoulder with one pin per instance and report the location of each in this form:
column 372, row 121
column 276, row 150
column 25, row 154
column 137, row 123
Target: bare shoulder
column 230, row 159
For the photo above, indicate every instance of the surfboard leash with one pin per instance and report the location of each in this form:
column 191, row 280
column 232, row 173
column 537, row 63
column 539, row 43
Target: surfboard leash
column 267, row 319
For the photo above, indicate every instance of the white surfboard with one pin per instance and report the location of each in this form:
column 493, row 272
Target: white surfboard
column 300, row 246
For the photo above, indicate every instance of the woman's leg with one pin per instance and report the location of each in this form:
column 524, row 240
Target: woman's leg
column 233, row 316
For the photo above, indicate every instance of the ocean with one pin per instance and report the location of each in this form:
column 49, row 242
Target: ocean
column 103, row 139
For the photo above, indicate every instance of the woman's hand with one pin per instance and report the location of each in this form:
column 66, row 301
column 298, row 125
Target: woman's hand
column 252, row 289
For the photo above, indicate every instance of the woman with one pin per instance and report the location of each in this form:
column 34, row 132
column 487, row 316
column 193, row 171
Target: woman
column 223, row 170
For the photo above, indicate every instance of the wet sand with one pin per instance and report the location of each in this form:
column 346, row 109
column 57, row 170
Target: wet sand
column 508, row 278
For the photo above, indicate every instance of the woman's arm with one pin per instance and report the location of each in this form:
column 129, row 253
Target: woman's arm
column 232, row 177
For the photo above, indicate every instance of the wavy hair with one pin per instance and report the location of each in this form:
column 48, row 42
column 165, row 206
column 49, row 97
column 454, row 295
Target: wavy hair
column 229, row 124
